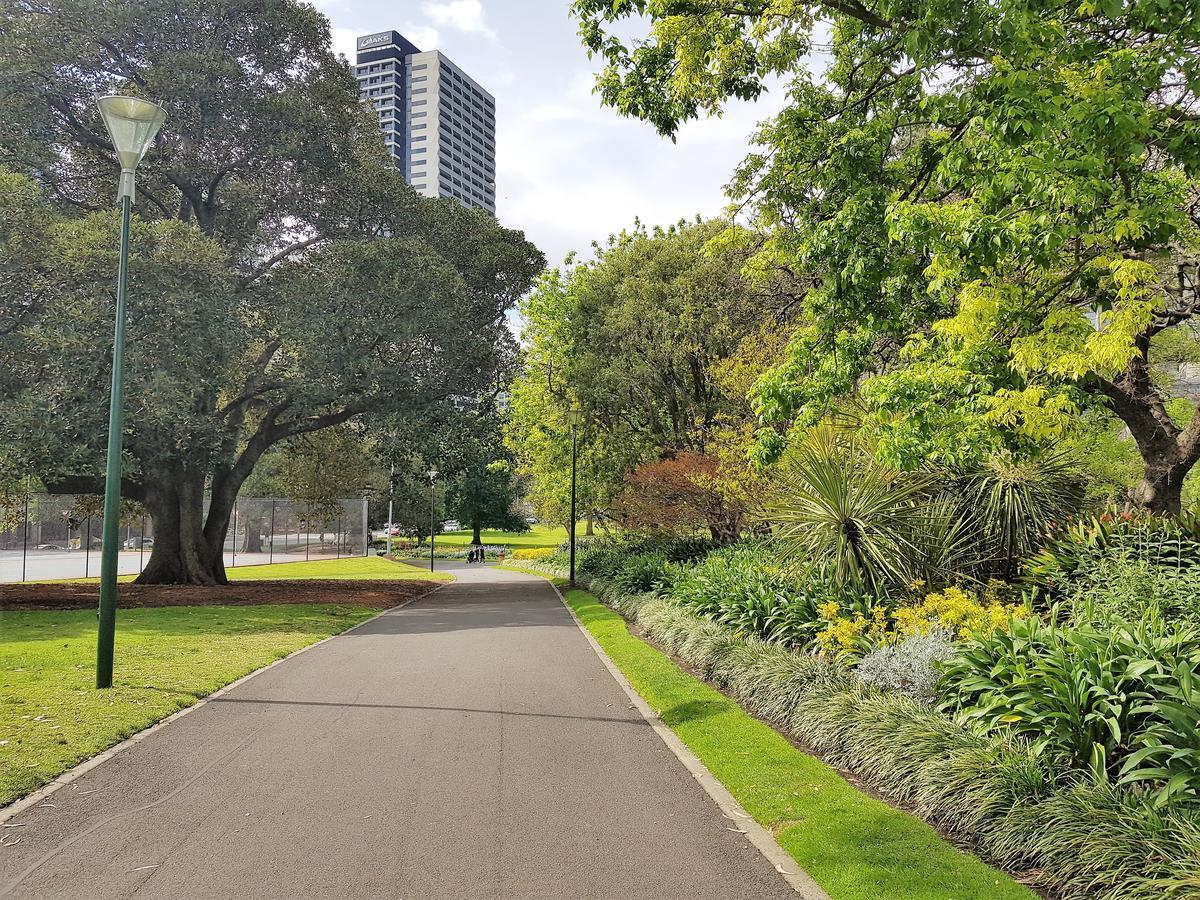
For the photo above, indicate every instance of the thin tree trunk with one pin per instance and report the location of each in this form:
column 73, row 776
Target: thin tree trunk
column 476, row 537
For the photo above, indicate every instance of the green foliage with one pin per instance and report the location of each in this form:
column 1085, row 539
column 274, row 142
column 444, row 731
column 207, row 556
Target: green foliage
column 1120, row 704
column 641, row 572
column 962, row 185
column 635, row 339
column 738, row 587
column 1120, row 587
column 847, row 518
column 1013, row 504
column 1153, row 540
column 994, row 794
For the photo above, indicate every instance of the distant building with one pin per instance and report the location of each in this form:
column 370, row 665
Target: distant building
column 439, row 124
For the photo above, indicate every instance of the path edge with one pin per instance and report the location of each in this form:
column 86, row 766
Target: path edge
column 799, row 880
column 82, row 768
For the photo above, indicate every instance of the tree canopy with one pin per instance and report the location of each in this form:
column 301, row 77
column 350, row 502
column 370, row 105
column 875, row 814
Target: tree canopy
column 283, row 277
column 994, row 205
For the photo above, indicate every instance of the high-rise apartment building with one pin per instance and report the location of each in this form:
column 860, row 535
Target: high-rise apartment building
column 440, row 125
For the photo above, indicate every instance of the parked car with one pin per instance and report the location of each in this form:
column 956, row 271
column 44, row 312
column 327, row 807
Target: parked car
column 139, row 543
column 50, row 547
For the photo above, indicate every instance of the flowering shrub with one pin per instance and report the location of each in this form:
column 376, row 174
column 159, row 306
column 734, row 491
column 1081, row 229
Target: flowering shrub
column 869, row 625
column 533, row 552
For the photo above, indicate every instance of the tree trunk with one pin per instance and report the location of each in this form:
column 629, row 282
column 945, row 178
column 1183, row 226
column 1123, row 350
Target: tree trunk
column 184, row 552
column 1168, row 451
column 476, row 537
column 1161, row 490
column 589, row 531
column 253, row 542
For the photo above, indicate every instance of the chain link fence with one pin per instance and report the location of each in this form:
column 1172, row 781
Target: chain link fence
column 51, row 536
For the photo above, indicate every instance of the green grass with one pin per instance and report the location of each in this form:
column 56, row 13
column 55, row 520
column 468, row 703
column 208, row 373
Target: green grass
column 352, row 568
column 51, row 716
column 536, row 536
column 856, row 847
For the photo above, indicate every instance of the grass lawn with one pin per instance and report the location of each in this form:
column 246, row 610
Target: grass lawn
column 51, row 716
column 536, row 536
column 350, row 569
column 856, row 847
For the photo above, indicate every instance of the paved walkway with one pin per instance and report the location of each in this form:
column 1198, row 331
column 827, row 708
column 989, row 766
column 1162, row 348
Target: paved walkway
column 469, row 745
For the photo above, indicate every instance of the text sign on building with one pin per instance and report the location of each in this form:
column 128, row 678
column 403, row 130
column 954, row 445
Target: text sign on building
column 375, row 40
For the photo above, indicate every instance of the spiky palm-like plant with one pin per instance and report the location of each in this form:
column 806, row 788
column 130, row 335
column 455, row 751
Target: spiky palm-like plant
column 846, row 517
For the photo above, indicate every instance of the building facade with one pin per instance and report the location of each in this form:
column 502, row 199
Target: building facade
column 438, row 122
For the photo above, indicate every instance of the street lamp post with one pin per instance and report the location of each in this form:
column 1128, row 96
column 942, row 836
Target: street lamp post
column 391, row 495
column 132, row 124
column 432, row 512
column 573, row 417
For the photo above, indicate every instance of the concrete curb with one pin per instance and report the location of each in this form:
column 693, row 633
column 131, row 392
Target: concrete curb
column 799, row 880
column 75, row 772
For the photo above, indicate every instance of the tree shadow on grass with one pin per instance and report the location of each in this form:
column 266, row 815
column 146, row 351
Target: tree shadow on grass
column 693, row 711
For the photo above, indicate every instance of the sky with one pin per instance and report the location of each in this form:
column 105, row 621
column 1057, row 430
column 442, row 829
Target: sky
column 568, row 171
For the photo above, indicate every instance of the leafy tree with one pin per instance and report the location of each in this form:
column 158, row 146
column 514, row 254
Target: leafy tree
column 971, row 187
column 284, row 278
column 685, row 492
column 485, row 497
column 634, row 340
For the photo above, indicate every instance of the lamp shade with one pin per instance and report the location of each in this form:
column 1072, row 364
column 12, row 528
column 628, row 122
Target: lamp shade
column 132, row 124
column 574, row 416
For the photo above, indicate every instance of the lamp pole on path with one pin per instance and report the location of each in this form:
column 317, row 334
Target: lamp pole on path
column 387, row 541
column 132, row 124
column 573, row 417
column 432, row 512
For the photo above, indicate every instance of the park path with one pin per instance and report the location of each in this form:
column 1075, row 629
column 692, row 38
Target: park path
column 469, row 745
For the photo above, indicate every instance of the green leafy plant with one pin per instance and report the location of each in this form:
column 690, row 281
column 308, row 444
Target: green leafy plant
column 1012, row 503
column 739, row 587
column 844, row 516
column 641, row 572
column 1114, row 703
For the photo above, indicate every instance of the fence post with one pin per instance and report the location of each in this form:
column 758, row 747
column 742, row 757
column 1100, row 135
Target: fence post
column 233, row 562
column 271, row 557
column 87, row 547
column 366, row 534
column 142, row 547
column 25, row 533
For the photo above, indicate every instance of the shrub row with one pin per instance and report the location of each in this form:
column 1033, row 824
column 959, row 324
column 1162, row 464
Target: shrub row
column 997, row 794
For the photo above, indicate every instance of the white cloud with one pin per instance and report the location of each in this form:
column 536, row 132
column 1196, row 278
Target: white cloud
column 424, row 36
column 463, row 15
column 344, row 42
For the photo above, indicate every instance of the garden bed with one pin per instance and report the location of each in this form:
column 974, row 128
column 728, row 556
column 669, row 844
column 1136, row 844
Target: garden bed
column 371, row 594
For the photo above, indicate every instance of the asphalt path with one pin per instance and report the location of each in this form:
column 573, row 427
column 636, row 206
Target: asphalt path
column 469, row 745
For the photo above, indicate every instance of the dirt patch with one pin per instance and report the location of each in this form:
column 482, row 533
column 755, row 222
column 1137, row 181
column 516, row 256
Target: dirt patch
column 381, row 594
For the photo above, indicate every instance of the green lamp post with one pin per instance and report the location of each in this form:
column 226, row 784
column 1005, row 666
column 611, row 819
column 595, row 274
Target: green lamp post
column 433, row 474
column 132, row 124
column 574, row 418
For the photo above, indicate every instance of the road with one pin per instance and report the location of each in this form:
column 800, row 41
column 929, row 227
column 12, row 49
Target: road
column 469, row 745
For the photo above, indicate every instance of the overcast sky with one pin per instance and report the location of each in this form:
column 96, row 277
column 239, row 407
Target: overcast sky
column 567, row 170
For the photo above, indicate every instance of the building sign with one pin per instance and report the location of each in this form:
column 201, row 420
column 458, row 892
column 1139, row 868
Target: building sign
column 375, row 40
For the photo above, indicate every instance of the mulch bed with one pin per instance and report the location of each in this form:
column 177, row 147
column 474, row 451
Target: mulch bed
column 381, row 594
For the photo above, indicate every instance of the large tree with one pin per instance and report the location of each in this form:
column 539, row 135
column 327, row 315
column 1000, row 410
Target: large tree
column 643, row 340
column 284, row 278
column 997, row 203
